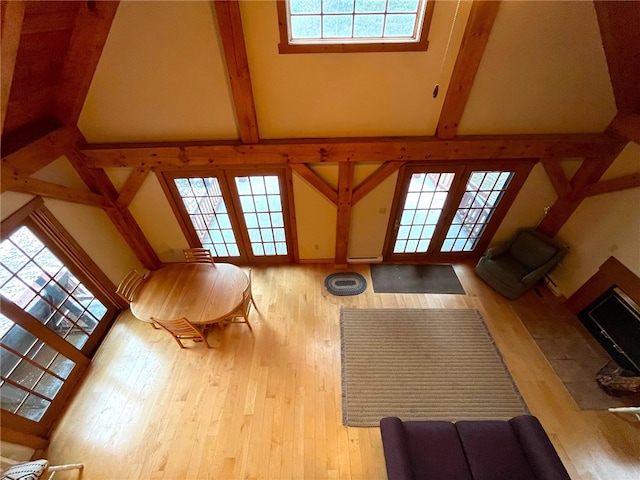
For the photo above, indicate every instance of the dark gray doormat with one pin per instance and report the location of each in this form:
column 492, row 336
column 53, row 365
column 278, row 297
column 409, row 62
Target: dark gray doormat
column 415, row 279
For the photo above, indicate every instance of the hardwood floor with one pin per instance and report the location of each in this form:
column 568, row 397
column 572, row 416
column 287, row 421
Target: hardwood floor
column 267, row 404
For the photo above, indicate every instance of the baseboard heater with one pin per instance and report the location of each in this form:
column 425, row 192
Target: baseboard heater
column 364, row 259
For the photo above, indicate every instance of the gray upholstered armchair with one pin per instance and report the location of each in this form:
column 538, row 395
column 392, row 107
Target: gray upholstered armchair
column 518, row 265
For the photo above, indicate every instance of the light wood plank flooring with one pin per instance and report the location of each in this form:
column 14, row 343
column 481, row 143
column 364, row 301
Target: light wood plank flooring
column 267, row 405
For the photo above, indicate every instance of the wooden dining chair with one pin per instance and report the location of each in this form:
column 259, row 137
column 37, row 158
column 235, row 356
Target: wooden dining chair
column 34, row 469
column 198, row 255
column 129, row 284
column 182, row 329
column 241, row 315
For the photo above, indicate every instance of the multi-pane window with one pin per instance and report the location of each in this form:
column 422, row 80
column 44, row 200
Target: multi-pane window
column 32, row 371
column 481, row 198
column 423, row 206
column 261, row 205
column 203, row 201
column 393, row 25
column 33, row 278
column 356, row 20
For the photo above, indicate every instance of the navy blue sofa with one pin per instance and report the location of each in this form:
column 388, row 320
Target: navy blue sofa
column 517, row 449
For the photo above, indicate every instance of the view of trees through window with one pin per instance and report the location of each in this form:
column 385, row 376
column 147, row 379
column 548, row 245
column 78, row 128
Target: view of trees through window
column 356, row 20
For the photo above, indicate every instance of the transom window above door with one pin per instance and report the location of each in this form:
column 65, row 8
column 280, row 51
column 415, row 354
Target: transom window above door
column 310, row 26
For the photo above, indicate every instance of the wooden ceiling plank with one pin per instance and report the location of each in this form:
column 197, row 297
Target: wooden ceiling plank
column 618, row 22
column 407, row 149
column 43, row 151
column 87, row 41
column 131, row 187
column 12, row 21
column 235, row 53
column 315, row 181
column 375, row 179
column 476, row 35
column 627, row 125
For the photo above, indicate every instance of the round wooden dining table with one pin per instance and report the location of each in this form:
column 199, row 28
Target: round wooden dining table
column 203, row 293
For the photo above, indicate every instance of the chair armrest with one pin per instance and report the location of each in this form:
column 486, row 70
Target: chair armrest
column 396, row 450
column 538, row 449
column 496, row 251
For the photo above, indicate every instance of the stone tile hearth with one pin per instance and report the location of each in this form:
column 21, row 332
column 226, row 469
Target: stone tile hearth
column 574, row 354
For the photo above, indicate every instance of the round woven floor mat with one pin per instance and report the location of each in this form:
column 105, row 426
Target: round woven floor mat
column 345, row 283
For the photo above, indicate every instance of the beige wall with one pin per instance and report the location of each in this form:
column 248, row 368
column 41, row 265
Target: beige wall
column 161, row 77
column 543, row 71
column 603, row 226
column 89, row 226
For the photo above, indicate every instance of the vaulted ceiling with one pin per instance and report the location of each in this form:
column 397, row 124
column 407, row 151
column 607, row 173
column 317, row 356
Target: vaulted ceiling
column 50, row 52
column 175, row 83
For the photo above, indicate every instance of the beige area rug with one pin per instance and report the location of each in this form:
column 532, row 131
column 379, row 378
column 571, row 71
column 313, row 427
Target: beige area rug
column 422, row 364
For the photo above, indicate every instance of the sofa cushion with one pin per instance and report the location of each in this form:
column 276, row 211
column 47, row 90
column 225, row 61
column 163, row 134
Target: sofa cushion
column 493, row 451
column 435, row 451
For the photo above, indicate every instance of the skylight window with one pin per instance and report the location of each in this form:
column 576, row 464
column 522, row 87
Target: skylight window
column 353, row 25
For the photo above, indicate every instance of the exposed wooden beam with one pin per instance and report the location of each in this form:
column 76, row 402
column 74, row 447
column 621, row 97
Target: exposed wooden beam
column 33, row 186
column 375, row 179
column 99, row 183
column 627, row 125
column 315, row 181
column 565, row 205
column 557, row 177
column 235, row 53
column 87, row 41
column 345, row 191
column 613, row 185
column 131, row 187
column 12, row 19
column 28, row 160
column 618, row 22
column 352, row 150
column 476, row 35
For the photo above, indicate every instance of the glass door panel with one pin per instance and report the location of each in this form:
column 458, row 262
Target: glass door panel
column 481, row 197
column 32, row 372
column 239, row 215
column 424, row 202
column 442, row 210
column 205, row 205
column 33, row 278
column 263, row 214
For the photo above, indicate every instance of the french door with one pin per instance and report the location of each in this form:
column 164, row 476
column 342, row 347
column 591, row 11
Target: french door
column 444, row 212
column 241, row 216
column 53, row 317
